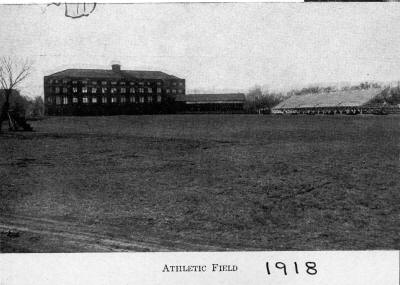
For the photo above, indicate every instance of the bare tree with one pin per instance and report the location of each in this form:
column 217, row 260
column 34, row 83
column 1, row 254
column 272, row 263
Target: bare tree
column 12, row 73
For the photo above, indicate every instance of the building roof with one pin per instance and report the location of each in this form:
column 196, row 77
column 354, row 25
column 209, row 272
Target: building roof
column 348, row 98
column 212, row 98
column 108, row 73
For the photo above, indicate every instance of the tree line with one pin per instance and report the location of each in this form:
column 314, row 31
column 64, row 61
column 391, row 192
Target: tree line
column 23, row 105
column 258, row 100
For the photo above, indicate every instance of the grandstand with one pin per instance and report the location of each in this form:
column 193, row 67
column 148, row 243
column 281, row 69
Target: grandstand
column 338, row 102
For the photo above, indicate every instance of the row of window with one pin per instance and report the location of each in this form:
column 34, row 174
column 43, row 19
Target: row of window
column 132, row 99
column 113, row 90
column 104, row 82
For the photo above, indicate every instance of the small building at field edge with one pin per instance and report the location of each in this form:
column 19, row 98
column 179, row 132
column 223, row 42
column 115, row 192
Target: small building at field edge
column 212, row 103
column 111, row 92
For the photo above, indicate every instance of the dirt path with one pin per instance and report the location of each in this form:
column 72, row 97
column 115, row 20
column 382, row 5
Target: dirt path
column 29, row 234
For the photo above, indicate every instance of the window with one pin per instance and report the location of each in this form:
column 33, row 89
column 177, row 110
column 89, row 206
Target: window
column 148, row 83
column 50, row 81
column 141, row 83
column 168, row 91
column 113, row 99
column 113, row 90
column 158, row 98
column 65, row 100
column 57, row 90
column 174, row 83
column 180, row 91
column 180, row 83
column 94, row 82
column 74, row 82
column 58, row 100
column 123, row 99
column 75, row 100
column 131, row 83
column 49, row 100
column 65, row 90
column 141, row 99
column 94, row 90
column 149, row 90
column 104, row 83
column 84, row 89
column 65, row 81
column 123, row 90
column 84, row 82
column 104, row 99
column 149, row 99
column 94, row 99
column 131, row 90
column 132, row 99
column 85, row 100
column 173, row 90
column 56, row 81
column 104, row 90
column 158, row 90
column 141, row 90
column 113, row 82
column 74, row 89
column 122, row 83
column 159, row 83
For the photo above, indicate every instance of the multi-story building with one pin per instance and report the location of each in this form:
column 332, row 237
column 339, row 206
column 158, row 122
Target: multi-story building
column 111, row 92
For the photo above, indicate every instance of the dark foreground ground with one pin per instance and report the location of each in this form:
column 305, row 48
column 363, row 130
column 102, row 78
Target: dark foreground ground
column 201, row 182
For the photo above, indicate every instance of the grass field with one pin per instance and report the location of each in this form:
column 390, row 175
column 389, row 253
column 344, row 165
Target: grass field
column 203, row 182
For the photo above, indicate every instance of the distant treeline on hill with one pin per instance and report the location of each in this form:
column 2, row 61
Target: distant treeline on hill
column 256, row 99
column 327, row 89
column 25, row 106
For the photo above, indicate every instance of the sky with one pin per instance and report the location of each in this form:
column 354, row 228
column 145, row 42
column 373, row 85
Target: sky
column 214, row 46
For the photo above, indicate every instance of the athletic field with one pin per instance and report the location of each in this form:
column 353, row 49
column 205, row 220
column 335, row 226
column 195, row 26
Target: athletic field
column 201, row 182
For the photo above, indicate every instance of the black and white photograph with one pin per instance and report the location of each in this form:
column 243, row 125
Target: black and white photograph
column 199, row 127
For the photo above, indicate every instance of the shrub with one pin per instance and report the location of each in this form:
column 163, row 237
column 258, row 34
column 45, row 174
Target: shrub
column 257, row 100
column 24, row 105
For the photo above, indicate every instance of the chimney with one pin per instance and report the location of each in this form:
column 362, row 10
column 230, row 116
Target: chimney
column 115, row 66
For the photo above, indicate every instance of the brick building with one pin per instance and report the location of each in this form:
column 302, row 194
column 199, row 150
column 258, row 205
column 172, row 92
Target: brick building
column 111, row 92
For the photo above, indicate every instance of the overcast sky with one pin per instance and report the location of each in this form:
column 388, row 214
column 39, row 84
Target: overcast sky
column 213, row 46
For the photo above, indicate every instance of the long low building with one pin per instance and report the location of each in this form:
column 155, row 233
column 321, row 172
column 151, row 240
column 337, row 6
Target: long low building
column 338, row 102
column 212, row 103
